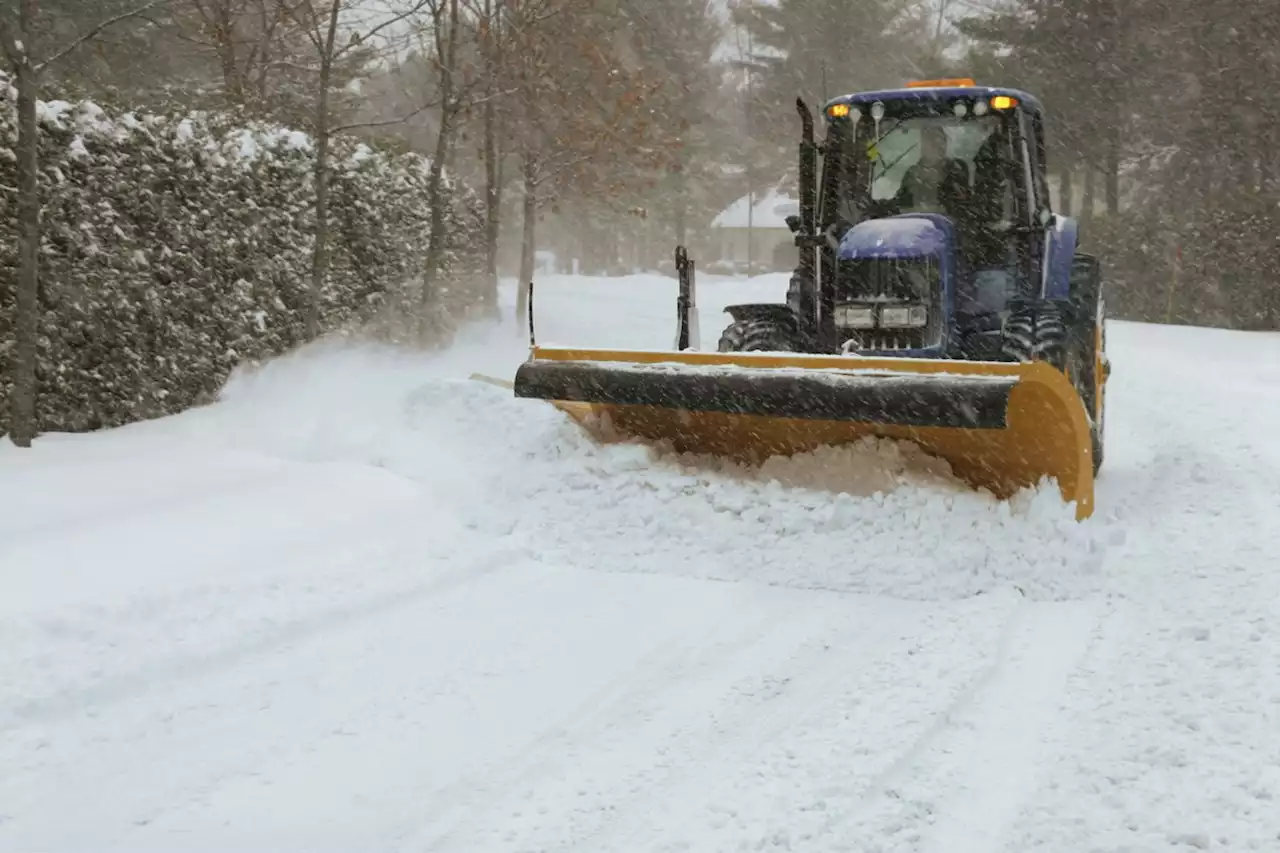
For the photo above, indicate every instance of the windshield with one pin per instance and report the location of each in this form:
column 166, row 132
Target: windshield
column 918, row 144
column 922, row 164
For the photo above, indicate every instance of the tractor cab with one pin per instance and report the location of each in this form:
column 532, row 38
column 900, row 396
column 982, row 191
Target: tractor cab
column 933, row 194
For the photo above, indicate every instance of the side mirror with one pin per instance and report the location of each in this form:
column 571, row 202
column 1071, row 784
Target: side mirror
column 793, row 222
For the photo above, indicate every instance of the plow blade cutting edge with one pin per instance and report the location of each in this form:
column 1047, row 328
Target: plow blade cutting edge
column 1001, row 426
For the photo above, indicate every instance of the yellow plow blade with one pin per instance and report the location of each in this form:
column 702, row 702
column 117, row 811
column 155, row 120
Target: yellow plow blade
column 1001, row 426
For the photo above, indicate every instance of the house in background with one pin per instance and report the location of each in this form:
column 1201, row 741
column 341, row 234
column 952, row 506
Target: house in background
column 760, row 228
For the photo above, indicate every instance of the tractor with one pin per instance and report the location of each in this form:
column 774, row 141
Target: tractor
column 937, row 299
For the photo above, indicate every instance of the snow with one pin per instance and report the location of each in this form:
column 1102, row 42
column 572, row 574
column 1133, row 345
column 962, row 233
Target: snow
column 746, row 367
column 248, row 146
column 362, row 154
column 296, row 140
column 51, row 112
column 364, row 602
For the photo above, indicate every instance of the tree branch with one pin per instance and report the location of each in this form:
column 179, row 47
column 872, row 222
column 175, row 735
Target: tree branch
column 10, row 44
column 465, row 104
column 94, row 31
column 362, row 125
column 545, row 175
column 293, row 66
column 417, row 7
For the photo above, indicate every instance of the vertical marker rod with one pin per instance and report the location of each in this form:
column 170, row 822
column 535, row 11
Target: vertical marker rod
column 532, row 340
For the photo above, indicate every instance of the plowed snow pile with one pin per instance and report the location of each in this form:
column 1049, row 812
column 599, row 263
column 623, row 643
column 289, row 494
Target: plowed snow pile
column 877, row 518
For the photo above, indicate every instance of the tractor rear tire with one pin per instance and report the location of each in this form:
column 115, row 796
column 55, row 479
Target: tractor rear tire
column 1036, row 333
column 761, row 335
column 1040, row 333
column 1088, row 308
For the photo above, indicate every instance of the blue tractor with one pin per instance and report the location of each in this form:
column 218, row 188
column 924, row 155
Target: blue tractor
column 938, row 299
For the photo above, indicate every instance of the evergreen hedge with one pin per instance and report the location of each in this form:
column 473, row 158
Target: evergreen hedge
column 177, row 247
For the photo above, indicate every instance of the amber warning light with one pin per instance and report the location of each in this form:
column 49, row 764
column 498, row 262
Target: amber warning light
column 950, row 83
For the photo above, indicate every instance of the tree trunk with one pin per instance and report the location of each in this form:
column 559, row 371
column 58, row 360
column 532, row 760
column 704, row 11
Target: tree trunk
column 682, row 201
column 320, row 252
column 1086, row 204
column 1267, row 137
column 1113, row 172
column 22, row 408
column 492, row 210
column 492, row 171
column 435, row 180
column 225, row 44
column 1066, row 189
column 529, row 213
column 445, row 51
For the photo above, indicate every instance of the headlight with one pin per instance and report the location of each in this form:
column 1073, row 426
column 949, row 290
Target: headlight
column 855, row 317
column 904, row 316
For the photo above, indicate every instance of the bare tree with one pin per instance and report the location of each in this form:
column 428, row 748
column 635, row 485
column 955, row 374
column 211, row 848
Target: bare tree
column 586, row 126
column 363, row 24
column 19, row 41
column 445, row 26
column 492, row 44
column 243, row 37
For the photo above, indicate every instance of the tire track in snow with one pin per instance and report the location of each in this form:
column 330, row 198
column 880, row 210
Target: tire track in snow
column 172, row 498
column 758, row 758
column 961, row 784
column 765, row 706
column 997, row 754
column 179, row 669
column 595, row 720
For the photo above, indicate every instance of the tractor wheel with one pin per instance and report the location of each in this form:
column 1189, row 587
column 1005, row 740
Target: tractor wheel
column 1099, row 420
column 1039, row 333
column 1099, row 447
column 1088, row 342
column 1036, row 333
column 763, row 335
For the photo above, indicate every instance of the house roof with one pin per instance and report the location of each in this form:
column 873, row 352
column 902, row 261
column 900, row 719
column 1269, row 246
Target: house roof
column 770, row 211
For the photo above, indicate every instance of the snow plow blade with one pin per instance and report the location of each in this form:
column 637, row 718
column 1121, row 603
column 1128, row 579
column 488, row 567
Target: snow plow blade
column 1001, row 426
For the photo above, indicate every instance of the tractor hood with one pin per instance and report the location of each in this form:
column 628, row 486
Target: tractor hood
column 915, row 235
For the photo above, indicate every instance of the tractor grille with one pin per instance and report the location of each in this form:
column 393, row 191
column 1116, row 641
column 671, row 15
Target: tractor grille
column 888, row 280
column 877, row 283
column 886, row 340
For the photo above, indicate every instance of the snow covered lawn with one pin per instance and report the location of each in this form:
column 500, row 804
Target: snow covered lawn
column 367, row 604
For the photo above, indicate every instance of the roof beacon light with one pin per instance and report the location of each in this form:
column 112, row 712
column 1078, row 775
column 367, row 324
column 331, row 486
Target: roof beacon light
column 949, row 83
column 838, row 111
column 1003, row 102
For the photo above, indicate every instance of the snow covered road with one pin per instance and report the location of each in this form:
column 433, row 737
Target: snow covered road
column 364, row 603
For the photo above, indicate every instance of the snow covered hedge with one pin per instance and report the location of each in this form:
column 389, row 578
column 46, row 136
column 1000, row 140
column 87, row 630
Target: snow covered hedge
column 177, row 247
